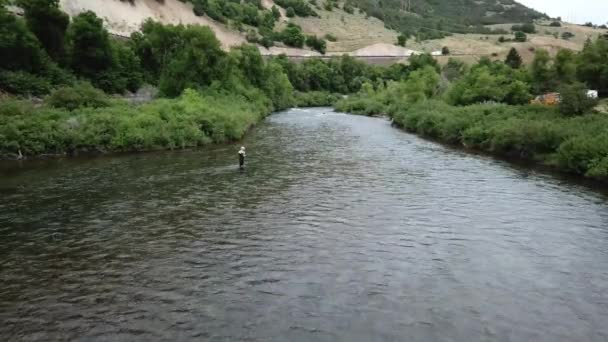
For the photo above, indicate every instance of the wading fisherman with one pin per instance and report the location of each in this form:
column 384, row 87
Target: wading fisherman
column 242, row 157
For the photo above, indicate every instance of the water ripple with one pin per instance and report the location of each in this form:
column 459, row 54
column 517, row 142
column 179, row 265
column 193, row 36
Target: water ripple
column 341, row 228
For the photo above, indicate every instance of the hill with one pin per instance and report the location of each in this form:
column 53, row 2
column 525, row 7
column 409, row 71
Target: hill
column 454, row 16
column 466, row 27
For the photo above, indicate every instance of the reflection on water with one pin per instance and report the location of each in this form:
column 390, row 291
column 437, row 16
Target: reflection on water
column 341, row 228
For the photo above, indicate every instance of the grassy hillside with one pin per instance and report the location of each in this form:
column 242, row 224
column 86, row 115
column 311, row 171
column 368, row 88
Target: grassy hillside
column 352, row 31
column 430, row 24
column 458, row 16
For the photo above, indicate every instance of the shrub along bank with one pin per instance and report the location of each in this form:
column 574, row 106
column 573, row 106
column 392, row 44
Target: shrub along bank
column 574, row 144
column 193, row 119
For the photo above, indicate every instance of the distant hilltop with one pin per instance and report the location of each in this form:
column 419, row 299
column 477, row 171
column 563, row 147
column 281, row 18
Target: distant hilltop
column 357, row 27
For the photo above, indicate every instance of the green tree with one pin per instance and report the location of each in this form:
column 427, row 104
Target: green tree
column 198, row 61
column 251, row 64
column 520, row 37
column 25, row 67
column 454, row 69
column 574, row 99
column 46, row 20
column 541, row 72
column 490, row 81
column 89, row 46
column 277, row 87
column 422, row 60
column 19, row 48
column 567, row 35
column 513, row 59
column 316, row 43
column 292, row 36
column 290, row 12
column 401, row 39
column 526, row 28
column 592, row 65
column 275, row 12
column 564, row 66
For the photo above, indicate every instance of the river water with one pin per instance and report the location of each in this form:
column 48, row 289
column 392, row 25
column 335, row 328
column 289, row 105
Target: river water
column 341, row 228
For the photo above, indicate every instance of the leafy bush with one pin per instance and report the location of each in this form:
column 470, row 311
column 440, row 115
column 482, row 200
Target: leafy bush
column 402, row 39
column 490, row 82
column 567, row 35
column 194, row 119
column 24, row 83
column 331, row 38
column 526, row 28
column 292, row 36
column 514, row 59
column 78, row 96
column 520, row 37
column 314, row 99
column 301, row 8
column 348, row 8
column 555, row 24
column 317, row 44
column 574, row 99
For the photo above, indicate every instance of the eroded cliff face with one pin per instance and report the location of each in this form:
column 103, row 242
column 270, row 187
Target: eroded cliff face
column 123, row 18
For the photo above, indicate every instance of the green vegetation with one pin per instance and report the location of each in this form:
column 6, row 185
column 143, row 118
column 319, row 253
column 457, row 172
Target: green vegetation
column 292, row 35
column 315, row 99
column 567, row 35
column 316, row 44
column 525, row 28
column 432, row 19
column 300, row 7
column 574, row 99
column 402, row 39
column 330, row 37
column 79, row 96
column 487, row 107
column 193, row 119
column 259, row 21
column 514, row 59
column 578, row 145
column 520, row 37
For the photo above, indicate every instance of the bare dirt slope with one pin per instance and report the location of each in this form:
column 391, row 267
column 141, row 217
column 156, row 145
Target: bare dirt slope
column 383, row 49
column 123, row 18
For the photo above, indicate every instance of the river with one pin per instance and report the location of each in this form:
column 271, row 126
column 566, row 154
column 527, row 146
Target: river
column 341, row 228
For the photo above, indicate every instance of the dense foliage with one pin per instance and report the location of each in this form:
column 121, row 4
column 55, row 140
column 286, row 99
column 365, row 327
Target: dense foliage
column 434, row 18
column 193, row 119
column 261, row 21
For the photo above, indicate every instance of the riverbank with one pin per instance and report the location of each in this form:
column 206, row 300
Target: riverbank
column 192, row 120
column 577, row 145
column 195, row 119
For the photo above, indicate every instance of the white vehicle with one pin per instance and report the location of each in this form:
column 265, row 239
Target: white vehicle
column 592, row 94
